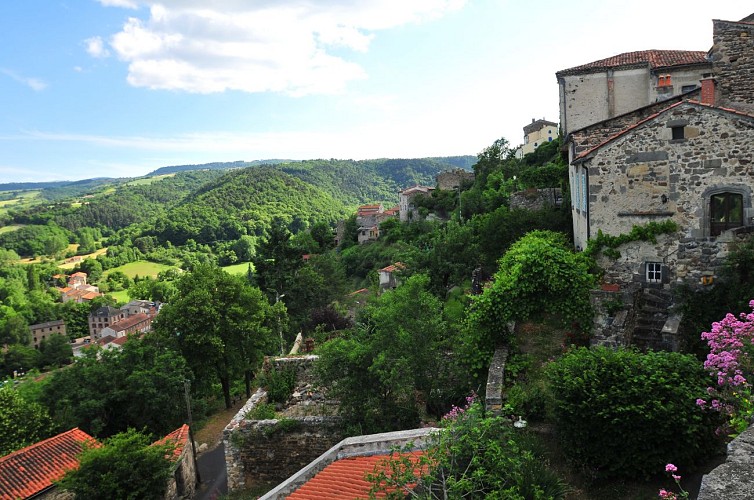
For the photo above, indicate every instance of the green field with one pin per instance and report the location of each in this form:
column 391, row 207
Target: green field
column 21, row 199
column 121, row 296
column 148, row 180
column 8, row 229
column 241, row 268
column 140, row 268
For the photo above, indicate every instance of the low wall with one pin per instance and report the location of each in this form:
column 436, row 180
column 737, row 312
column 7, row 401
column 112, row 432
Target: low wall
column 733, row 480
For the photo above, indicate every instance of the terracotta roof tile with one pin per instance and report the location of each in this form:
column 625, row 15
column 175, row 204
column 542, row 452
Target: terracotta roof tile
column 653, row 58
column 398, row 266
column 344, row 479
column 128, row 322
column 179, row 437
column 30, row 470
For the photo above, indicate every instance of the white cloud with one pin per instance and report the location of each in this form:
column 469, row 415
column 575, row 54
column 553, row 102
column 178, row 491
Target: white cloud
column 95, row 47
column 128, row 4
column 33, row 83
column 269, row 45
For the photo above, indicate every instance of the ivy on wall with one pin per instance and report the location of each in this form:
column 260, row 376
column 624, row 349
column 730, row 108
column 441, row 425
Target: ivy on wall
column 608, row 244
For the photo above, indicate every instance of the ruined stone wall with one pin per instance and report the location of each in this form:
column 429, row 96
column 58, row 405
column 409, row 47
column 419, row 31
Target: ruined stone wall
column 536, row 199
column 733, row 480
column 732, row 57
column 273, row 450
column 452, row 179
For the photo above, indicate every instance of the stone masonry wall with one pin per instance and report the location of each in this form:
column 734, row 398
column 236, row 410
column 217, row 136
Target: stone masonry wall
column 733, row 480
column 452, row 179
column 732, row 57
column 536, row 199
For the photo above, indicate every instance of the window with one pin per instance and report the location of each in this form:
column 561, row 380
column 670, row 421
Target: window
column 726, row 212
column 549, row 139
column 653, row 272
column 678, row 133
column 688, row 88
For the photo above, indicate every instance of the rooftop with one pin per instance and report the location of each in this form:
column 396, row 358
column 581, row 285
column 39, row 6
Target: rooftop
column 652, row 58
column 28, row 471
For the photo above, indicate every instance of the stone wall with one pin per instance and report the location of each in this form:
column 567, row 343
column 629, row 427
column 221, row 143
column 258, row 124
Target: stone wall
column 536, row 199
column 732, row 57
column 272, row 450
column 452, row 179
column 733, row 480
column 182, row 484
column 493, row 400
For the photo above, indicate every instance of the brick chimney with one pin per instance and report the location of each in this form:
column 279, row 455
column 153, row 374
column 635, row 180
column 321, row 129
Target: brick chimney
column 708, row 91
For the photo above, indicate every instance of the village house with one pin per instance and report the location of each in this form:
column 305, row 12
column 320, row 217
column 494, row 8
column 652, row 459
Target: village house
column 684, row 160
column 78, row 290
column 369, row 217
column 137, row 323
column 42, row 331
column 103, row 318
column 407, row 210
column 610, row 87
column 31, row 472
column 537, row 133
column 389, row 276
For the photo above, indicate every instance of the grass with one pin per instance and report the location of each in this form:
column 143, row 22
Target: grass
column 148, row 180
column 74, row 247
column 241, row 268
column 121, row 296
column 12, row 227
column 140, row 268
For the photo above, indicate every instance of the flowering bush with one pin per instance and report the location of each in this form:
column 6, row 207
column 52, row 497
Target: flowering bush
column 731, row 362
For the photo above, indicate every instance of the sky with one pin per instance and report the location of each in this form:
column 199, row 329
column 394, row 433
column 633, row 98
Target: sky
column 118, row 88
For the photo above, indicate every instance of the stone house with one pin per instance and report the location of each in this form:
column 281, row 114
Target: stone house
column 687, row 159
column 389, row 276
column 406, row 207
column 42, row 331
column 610, row 87
column 103, row 318
column 137, row 323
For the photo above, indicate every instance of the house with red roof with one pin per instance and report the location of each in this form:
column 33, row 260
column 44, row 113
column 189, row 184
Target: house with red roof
column 389, row 276
column 600, row 90
column 30, row 472
column 407, row 209
column 687, row 160
column 340, row 472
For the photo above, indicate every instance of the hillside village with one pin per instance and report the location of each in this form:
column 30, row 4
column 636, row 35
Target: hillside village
column 403, row 328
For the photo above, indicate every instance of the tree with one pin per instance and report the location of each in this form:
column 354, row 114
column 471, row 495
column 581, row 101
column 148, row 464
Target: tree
column 389, row 368
column 56, row 351
column 125, row 466
column 21, row 422
column 20, row 358
column 144, row 389
column 218, row 322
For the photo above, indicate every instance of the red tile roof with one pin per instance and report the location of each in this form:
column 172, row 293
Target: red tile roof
column 126, row 323
column 345, row 479
column 179, row 437
column 398, row 266
column 31, row 470
column 653, row 58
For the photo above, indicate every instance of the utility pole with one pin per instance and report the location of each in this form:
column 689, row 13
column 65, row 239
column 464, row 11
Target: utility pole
column 187, row 396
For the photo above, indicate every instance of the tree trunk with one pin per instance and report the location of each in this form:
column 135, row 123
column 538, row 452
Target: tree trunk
column 247, row 380
column 225, row 383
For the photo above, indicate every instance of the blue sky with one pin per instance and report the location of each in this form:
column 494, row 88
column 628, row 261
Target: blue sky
column 118, row 88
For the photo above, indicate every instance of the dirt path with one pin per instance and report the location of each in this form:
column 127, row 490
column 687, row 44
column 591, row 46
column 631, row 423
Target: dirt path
column 212, row 431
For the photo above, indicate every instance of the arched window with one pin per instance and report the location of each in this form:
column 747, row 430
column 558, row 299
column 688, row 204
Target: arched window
column 726, row 212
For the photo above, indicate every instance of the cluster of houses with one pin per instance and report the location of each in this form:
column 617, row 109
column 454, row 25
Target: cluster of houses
column 77, row 290
column 108, row 326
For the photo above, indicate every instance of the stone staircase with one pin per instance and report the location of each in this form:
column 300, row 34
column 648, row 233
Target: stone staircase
column 656, row 325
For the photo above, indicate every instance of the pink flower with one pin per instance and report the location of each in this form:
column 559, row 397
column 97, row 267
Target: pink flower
column 665, row 493
column 676, row 477
column 671, row 468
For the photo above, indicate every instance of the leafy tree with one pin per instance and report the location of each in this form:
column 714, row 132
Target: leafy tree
column 144, row 389
column 21, row 422
column 385, row 373
column 20, row 358
column 218, row 322
column 323, row 235
column 474, row 455
column 538, row 274
column 125, row 466
column 56, row 351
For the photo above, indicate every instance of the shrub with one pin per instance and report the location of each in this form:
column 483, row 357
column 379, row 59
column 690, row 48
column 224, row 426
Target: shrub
column 278, row 384
column 262, row 411
column 624, row 413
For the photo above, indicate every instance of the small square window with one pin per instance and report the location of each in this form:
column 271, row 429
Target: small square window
column 678, row 133
column 654, row 272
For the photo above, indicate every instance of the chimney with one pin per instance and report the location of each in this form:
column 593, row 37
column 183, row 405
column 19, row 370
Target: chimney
column 708, row 91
